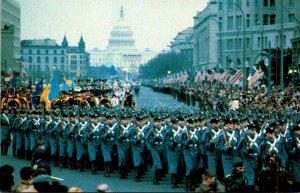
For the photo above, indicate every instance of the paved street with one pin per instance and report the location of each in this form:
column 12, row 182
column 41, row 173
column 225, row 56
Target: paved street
column 89, row 182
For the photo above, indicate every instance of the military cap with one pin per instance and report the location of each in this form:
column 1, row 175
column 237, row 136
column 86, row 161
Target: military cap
column 227, row 121
column 237, row 162
column 252, row 126
column 82, row 113
column 174, row 120
column 209, row 173
column 40, row 142
column 56, row 112
column 180, row 118
column 93, row 114
column 191, row 120
column 64, row 113
column 157, row 118
column 47, row 112
column 110, row 115
column 296, row 128
column 22, row 111
column 214, row 121
column 35, row 112
column 43, row 178
column 73, row 113
column 123, row 116
column 282, row 122
column 270, row 129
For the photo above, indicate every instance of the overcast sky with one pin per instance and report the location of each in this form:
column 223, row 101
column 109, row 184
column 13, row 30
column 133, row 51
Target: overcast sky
column 154, row 22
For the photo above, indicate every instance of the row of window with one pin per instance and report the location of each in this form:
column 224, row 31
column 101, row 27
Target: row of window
column 47, row 68
column 62, row 52
column 238, row 3
column 47, row 60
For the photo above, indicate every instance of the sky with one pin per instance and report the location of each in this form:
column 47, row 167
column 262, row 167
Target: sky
column 154, row 22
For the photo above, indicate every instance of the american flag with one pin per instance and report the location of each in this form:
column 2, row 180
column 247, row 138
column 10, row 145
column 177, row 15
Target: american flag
column 224, row 77
column 236, row 76
column 197, row 77
column 253, row 79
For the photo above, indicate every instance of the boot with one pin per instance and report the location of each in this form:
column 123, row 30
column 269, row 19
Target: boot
column 173, row 181
column 28, row 155
column 155, row 180
column 93, row 167
column 123, row 174
column 6, row 149
column 187, row 183
column 80, row 165
column 55, row 161
column 137, row 175
column 106, row 170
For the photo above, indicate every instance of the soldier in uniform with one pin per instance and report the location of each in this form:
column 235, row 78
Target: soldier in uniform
column 92, row 132
column 107, row 141
column 190, row 152
column 26, row 128
column 249, row 150
column 53, row 132
column 137, row 140
column 227, row 146
column 62, row 138
column 5, row 132
column 19, row 133
column 36, row 127
column 293, row 146
column 155, row 139
column 172, row 140
column 71, row 141
column 209, row 139
column 44, row 136
column 81, row 140
column 13, row 129
column 123, row 143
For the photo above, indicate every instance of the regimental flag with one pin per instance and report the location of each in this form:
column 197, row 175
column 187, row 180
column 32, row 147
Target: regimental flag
column 44, row 97
column 68, row 85
column 237, row 75
column 253, row 80
column 54, row 87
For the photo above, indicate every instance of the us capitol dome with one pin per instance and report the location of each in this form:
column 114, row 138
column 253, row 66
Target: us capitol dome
column 121, row 51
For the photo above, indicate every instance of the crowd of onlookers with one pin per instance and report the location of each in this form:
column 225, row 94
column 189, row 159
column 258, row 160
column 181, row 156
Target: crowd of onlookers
column 36, row 180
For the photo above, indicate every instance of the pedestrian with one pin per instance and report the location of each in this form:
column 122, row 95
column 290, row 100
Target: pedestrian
column 209, row 183
column 27, row 174
column 236, row 181
column 7, row 179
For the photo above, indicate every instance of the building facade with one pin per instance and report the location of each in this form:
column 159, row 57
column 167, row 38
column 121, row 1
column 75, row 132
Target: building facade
column 121, row 51
column 10, row 35
column 41, row 56
column 259, row 19
column 296, row 47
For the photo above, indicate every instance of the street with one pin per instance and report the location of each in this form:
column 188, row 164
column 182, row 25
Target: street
column 88, row 182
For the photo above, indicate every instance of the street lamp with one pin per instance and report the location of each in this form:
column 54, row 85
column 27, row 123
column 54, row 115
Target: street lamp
column 244, row 44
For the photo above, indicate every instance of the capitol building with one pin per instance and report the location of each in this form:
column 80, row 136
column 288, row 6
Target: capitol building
column 121, row 51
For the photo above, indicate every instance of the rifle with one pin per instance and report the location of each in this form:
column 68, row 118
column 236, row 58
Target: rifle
column 225, row 137
column 246, row 138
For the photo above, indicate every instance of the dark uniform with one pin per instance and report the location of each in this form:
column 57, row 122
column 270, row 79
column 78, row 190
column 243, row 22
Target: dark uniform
column 5, row 133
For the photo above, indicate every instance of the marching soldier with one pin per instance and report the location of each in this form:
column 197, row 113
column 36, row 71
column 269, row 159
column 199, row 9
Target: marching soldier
column 62, row 138
column 53, row 132
column 123, row 143
column 210, row 139
column 35, row 130
column 45, row 133
column 71, row 141
column 155, row 139
column 172, row 140
column 249, row 150
column 190, row 153
column 81, row 139
column 107, row 141
column 227, row 146
column 293, row 146
column 5, row 132
column 92, row 132
column 26, row 128
column 19, row 133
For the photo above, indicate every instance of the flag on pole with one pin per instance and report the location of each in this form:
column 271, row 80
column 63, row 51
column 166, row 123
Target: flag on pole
column 44, row 97
column 54, row 87
column 253, row 80
column 238, row 74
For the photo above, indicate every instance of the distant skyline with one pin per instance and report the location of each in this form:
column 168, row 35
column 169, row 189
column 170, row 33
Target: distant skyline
column 154, row 22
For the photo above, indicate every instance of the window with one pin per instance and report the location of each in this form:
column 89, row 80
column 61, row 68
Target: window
column 47, row 51
column 256, row 19
column 38, row 59
column 266, row 19
column 239, row 2
column 266, row 42
column 47, row 67
column 291, row 17
column 230, row 23
column 38, row 67
column 47, row 59
column 55, row 52
column 220, row 6
column 30, row 59
column 230, row 5
column 62, row 52
column 62, row 60
column 248, row 20
column 30, row 51
column 248, row 42
column 284, row 40
column 221, row 23
column 272, row 3
column 38, row 51
column 266, row 3
column 63, row 67
column 238, row 23
column 258, row 42
column 277, row 41
column 55, row 60
column 291, row 3
column 248, row 3
column 272, row 19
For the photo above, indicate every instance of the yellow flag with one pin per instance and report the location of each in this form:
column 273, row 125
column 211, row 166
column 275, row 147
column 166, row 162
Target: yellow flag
column 69, row 83
column 44, row 96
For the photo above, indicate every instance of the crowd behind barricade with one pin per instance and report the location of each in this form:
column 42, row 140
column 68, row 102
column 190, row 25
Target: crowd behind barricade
column 253, row 145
